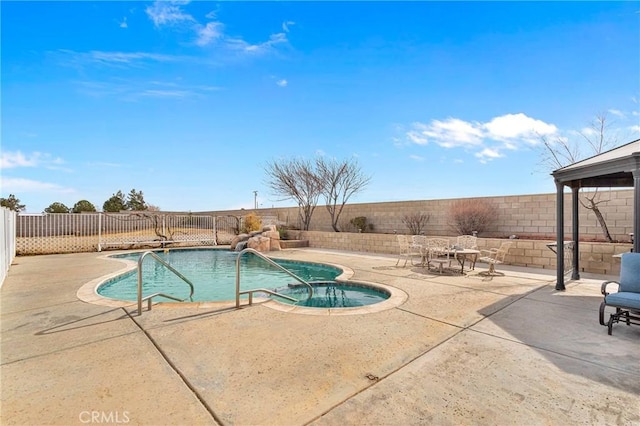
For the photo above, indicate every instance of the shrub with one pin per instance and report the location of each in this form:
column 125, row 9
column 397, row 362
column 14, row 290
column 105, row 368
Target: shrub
column 360, row 223
column 416, row 222
column 251, row 222
column 282, row 230
column 469, row 215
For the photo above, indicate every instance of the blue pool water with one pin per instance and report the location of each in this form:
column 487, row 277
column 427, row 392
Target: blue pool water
column 334, row 295
column 213, row 274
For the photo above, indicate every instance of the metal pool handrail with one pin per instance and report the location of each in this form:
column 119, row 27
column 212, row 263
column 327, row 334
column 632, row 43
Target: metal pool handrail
column 169, row 267
column 272, row 263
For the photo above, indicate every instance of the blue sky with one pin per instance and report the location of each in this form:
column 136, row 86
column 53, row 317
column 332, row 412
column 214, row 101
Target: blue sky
column 187, row 101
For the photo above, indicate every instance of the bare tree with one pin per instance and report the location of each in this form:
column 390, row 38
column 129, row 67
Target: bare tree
column 472, row 215
column 416, row 222
column 340, row 180
column 295, row 179
column 560, row 152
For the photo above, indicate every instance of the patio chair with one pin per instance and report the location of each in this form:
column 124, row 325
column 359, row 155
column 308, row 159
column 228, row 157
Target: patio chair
column 493, row 257
column 439, row 253
column 467, row 242
column 626, row 300
column 407, row 250
column 419, row 242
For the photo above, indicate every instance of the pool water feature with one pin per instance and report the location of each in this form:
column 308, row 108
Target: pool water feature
column 213, row 274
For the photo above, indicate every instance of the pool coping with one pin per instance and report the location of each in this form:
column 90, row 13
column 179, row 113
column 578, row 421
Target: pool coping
column 89, row 293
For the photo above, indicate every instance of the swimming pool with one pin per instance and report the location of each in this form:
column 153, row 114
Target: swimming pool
column 331, row 294
column 213, row 274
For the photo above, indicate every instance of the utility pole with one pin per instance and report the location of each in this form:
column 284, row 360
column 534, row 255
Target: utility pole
column 255, row 200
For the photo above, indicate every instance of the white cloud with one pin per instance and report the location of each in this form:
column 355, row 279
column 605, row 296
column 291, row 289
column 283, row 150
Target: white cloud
column 10, row 160
column 282, row 83
column 587, row 131
column 168, row 13
column 487, row 140
column 286, row 25
column 113, row 59
column 241, row 45
column 20, row 185
column 416, row 137
column 416, row 157
column 133, row 90
column 123, row 24
column 488, row 154
column 128, row 57
column 617, row 113
column 635, row 129
column 211, row 32
column 155, row 93
column 447, row 133
column 511, row 126
column 171, row 13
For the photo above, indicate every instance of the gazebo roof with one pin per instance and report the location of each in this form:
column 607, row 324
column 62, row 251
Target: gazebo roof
column 619, row 167
column 613, row 168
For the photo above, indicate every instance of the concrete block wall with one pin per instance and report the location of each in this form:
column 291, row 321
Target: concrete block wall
column 527, row 216
column 596, row 258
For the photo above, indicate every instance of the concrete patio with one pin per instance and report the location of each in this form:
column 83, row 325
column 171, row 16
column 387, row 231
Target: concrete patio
column 506, row 350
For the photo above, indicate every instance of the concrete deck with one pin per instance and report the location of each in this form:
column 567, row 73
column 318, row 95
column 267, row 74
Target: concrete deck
column 506, row 350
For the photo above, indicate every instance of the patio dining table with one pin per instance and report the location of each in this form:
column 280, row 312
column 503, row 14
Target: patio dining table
column 465, row 255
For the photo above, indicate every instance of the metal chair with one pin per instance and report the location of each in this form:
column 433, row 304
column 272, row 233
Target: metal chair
column 439, row 253
column 626, row 300
column 494, row 257
column 407, row 250
column 467, row 242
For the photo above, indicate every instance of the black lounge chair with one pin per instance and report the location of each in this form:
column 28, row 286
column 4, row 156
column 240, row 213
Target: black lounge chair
column 626, row 300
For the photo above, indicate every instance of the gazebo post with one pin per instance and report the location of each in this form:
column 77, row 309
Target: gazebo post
column 636, row 210
column 559, row 236
column 575, row 273
column 618, row 167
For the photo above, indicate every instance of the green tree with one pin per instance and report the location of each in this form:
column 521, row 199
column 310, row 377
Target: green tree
column 115, row 203
column 83, row 206
column 135, row 201
column 57, row 207
column 12, row 203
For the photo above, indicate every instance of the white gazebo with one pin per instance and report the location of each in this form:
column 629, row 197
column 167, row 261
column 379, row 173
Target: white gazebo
column 617, row 168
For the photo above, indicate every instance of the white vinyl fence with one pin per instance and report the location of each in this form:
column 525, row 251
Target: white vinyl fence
column 82, row 232
column 8, row 240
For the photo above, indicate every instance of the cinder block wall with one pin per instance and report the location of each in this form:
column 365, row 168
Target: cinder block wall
column 596, row 258
column 527, row 216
